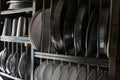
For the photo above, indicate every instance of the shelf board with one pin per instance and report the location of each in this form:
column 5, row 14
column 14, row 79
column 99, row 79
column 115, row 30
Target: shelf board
column 81, row 60
column 8, row 12
column 9, row 76
column 15, row 39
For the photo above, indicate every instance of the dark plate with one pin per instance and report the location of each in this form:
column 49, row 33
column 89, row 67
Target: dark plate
column 103, row 31
column 80, row 30
column 68, row 28
column 58, row 16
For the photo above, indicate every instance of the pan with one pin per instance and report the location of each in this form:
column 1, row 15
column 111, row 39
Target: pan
column 80, row 30
column 103, row 31
column 69, row 22
column 18, row 4
column 91, row 35
column 57, row 19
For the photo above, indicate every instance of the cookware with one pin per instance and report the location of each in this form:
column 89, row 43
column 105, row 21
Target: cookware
column 91, row 35
column 80, row 30
column 72, row 73
column 17, row 4
column 103, row 31
column 82, row 74
column 57, row 19
column 69, row 23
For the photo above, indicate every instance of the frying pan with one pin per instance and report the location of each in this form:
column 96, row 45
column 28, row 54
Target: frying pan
column 69, row 23
column 80, row 30
column 91, row 35
column 103, row 31
column 10, row 62
column 57, row 19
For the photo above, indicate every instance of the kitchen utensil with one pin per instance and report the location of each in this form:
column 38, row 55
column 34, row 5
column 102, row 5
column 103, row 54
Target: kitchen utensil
column 19, row 4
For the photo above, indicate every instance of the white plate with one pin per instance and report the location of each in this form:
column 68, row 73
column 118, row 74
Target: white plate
column 82, row 74
column 48, row 72
column 64, row 73
column 41, row 69
column 72, row 75
column 103, row 76
column 56, row 73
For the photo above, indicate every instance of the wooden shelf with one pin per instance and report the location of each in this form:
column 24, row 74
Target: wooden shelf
column 8, row 12
column 81, row 60
column 9, row 76
column 15, row 39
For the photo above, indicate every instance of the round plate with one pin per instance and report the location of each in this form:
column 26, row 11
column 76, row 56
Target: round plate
column 48, row 72
column 92, row 75
column 72, row 75
column 41, row 70
column 56, row 73
column 64, row 73
column 82, row 74
column 103, row 31
column 90, row 24
column 80, row 29
column 40, row 35
column 35, row 73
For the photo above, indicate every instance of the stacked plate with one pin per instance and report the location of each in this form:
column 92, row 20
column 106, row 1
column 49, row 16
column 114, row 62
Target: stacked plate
column 51, row 70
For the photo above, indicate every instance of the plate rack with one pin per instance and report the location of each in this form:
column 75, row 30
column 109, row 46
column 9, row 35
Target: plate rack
column 107, row 63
